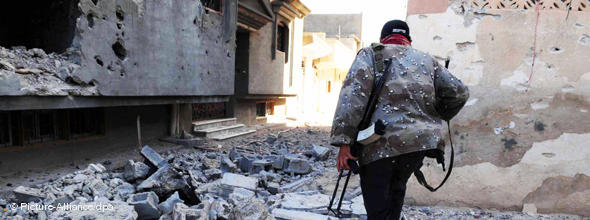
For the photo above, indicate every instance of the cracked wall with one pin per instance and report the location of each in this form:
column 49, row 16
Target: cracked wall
column 514, row 135
column 149, row 48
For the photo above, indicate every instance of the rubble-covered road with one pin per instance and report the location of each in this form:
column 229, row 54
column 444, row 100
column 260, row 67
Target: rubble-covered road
column 281, row 173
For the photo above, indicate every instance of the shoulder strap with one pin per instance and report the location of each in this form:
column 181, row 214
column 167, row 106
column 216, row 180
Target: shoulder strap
column 378, row 49
column 420, row 176
column 378, row 86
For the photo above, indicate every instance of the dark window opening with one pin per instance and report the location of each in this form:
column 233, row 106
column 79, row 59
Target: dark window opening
column 261, row 109
column 86, row 122
column 214, row 5
column 5, row 135
column 283, row 40
column 204, row 111
column 22, row 128
column 49, row 25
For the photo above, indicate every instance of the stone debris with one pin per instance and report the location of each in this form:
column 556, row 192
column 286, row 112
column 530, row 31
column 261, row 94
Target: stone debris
column 236, row 180
column 167, row 206
column 145, row 204
column 278, row 178
column 27, row 194
column 33, row 72
column 135, row 170
column 321, row 153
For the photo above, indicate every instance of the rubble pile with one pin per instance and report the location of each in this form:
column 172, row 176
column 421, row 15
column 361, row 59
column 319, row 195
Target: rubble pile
column 271, row 177
column 39, row 73
column 275, row 182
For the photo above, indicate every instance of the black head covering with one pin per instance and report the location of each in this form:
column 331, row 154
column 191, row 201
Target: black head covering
column 396, row 27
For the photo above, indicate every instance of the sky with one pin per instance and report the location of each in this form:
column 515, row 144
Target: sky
column 375, row 13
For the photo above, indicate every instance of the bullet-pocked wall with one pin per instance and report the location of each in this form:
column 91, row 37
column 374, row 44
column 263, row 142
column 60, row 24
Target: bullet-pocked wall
column 157, row 48
column 522, row 138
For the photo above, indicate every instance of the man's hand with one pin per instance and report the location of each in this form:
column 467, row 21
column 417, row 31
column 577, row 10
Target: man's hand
column 343, row 156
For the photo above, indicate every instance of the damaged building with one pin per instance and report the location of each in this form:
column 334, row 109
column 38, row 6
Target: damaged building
column 93, row 77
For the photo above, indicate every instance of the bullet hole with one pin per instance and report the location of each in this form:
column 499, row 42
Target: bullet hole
column 90, row 19
column 585, row 40
column 95, row 2
column 207, row 52
column 539, row 126
column 578, row 25
column 437, row 37
column 119, row 50
column 555, row 50
column 135, row 64
column 456, row 132
column 509, row 143
column 182, row 67
column 492, row 37
column 122, row 74
column 123, row 33
column 195, row 21
column 120, row 13
column 110, row 67
column 98, row 60
column 119, row 25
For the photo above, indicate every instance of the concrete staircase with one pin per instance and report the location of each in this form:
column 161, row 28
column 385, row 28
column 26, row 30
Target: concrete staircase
column 220, row 129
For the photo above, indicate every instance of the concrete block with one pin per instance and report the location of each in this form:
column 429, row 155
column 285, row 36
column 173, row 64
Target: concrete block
column 227, row 165
column 135, row 170
column 295, row 184
column 116, row 210
column 298, row 215
column 298, row 166
column 236, row 180
column 233, row 155
column 321, row 153
column 240, row 195
column 183, row 212
column 97, row 187
column 152, row 156
column 297, row 201
column 212, row 174
column 145, row 204
column 279, row 162
column 164, row 181
column 96, row 168
column 167, row 206
column 245, row 163
column 260, row 165
column 273, row 188
column 124, row 190
column 27, row 194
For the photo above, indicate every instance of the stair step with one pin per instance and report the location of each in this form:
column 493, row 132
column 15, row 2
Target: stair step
column 231, row 135
column 220, row 130
column 205, row 124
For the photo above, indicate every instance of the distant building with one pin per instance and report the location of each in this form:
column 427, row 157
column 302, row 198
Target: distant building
column 327, row 57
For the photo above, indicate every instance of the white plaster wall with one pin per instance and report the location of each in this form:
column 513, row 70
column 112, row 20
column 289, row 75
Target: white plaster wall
column 515, row 136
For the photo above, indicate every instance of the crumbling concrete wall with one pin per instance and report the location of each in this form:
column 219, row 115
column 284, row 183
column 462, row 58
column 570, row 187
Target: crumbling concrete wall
column 517, row 141
column 153, row 47
column 147, row 48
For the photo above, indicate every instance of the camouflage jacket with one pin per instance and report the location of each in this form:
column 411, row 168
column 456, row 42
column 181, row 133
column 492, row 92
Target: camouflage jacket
column 418, row 94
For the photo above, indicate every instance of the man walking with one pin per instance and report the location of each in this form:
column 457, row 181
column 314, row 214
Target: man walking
column 417, row 95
